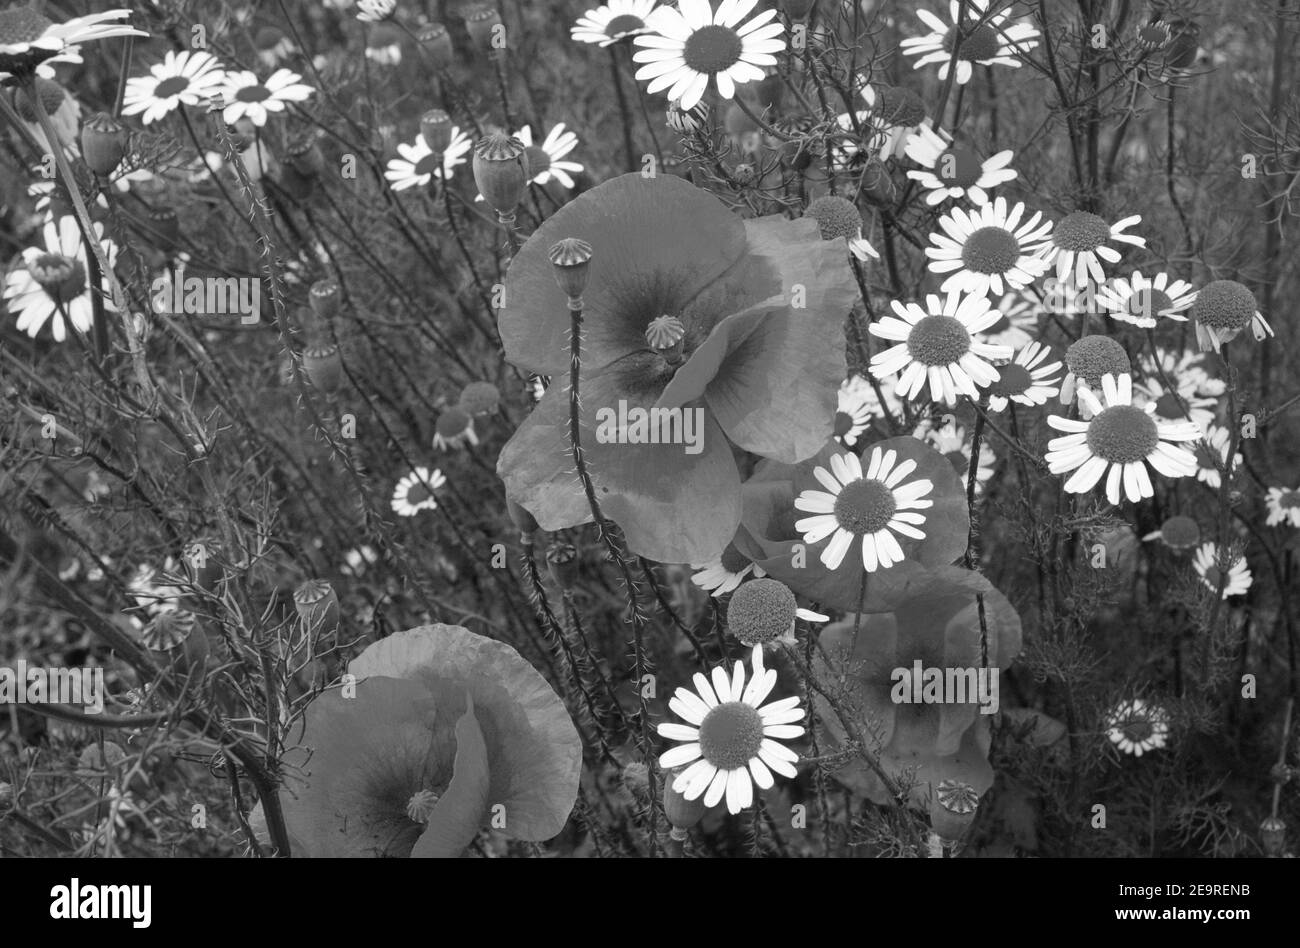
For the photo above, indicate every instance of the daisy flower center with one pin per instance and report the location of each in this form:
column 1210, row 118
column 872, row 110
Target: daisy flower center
column 1137, row 730
column 537, row 160
column 1212, row 576
column 172, row 85
column 730, row 735
column 1094, row 356
column 760, row 611
column 959, row 167
column 938, row 340
column 733, row 561
column 452, row 423
column 1290, row 500
column 624, row 23
column 900, row 106
column 865, row 506
column 991, row 250
column 1206, row 456
column 1080, row 231
column 1180, row 531
column 843, row 424
column 835, row 216
column 253, row 94
column 429, row 164
column 22, row 25
column 1225, row 304
column 62, row 278
column 1149, row 302
column 1167, row 406
column 1123, row 434
column 418, row 494
column 978, row 43
column 713, row 49
column 1013, row 379
column 1154, row 34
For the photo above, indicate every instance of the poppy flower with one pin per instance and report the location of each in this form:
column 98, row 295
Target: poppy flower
column 444, row 726
column 737, row 323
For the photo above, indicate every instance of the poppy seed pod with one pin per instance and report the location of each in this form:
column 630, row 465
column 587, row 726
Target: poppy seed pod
column 324, row 366
column 318, row 605
column 522, row 519
column 481, row 21
column 681, row 812
column 435, row 129
column 325, row 298
column 499, row 171
column 1272, row 836
column 562, row 558
column 104, row 142
column 437, row 45
column 571, row 259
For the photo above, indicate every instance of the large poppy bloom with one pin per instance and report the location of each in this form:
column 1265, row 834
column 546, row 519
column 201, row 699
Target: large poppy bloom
column 754, row 349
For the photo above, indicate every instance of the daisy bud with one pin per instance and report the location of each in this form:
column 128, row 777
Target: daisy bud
column 1272, row 836
column 479, row 398
column 324, row 366
column 761, row 611
column 317, row 605
column 103, row 143
column 480, row 21
column 499, row 171
column 681, row 812
column 435, row 129
column 522, row 519
column 744, row 174
column 571, row 259
column 325, row 298
column 877, row 185
column 562, row 559
column 437, row 45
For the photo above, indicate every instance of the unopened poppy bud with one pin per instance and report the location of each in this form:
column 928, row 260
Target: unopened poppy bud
column 104, row 142
column 436, row 42
column 481, row 22
column 636, row 777
column 522, row 519
column 317, row 605
column 1272, row 836
column 571, row 259
column 324, row 366
column 562, row 558
column 499, row 171
column 325, row 298
column 681, row 812
column 435, row 129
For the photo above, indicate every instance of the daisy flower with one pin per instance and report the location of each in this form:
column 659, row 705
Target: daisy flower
column 53, row 282
column 1025, row 380
column 454, row 429
column 1187, row 367
column 937, row 344
column 1283, row 506
column 1121, row 438
column 1178, row 533
column 764, row 611
column 1222, row 310
column 864, row 505
column 950, row 440
column 414, row 492
column 695, row 44
column 419, row 165
column 30, row 41
column 954, row 171
column 185, row 78
column 853, row 409
column 985, row 40
column 840, row 217
column 1087, row 360
column 1142, row 301
column 895, row 113
column 731, row 736
column 546, row 161
column 615, row 21
column 375, row 11
column 1136, row 727
column 1018, row 323
column 1212, row 456
column 384, row 44
column 1078, row 239
column 724, row 574
column 1169, row 405
column 989, row 248
column 152, row 592
column 252, row 99
column 1206, row 564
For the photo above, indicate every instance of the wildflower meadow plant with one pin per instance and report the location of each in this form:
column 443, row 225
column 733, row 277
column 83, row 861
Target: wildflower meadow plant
column 652, row 428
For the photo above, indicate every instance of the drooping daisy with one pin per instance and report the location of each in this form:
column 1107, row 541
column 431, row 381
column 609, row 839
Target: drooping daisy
column 953, row 442
column 375, row 11
column 731, row 735
column 53, row 283
column 418, row 165
column 546, row 161
column 853, row 409
column 1170, row 405
column 764, row 611
column 1136, row 727
column 985, row 40
column 937, row 345
column 1212, row 456
column 1078, row 239
column 454, row 429
column 253, row 99
column 414, row 492
column 1207, row 566
column 695, row 44
column 1087, row 360
column 273, row 46
column 1143, row 302
column 864, row 505
column 1121, row 438
column 1222, row 310
column 32, row 42
column 615, row 21
column 1018, row 324
column 839, row 217
column 1025, row 380
column 185, row 78
column 1283, row 506
column 1178, row 533
column 955, row 171
column 724, row 574
column 384, row 44
column 895, row 113
column 988, row 248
